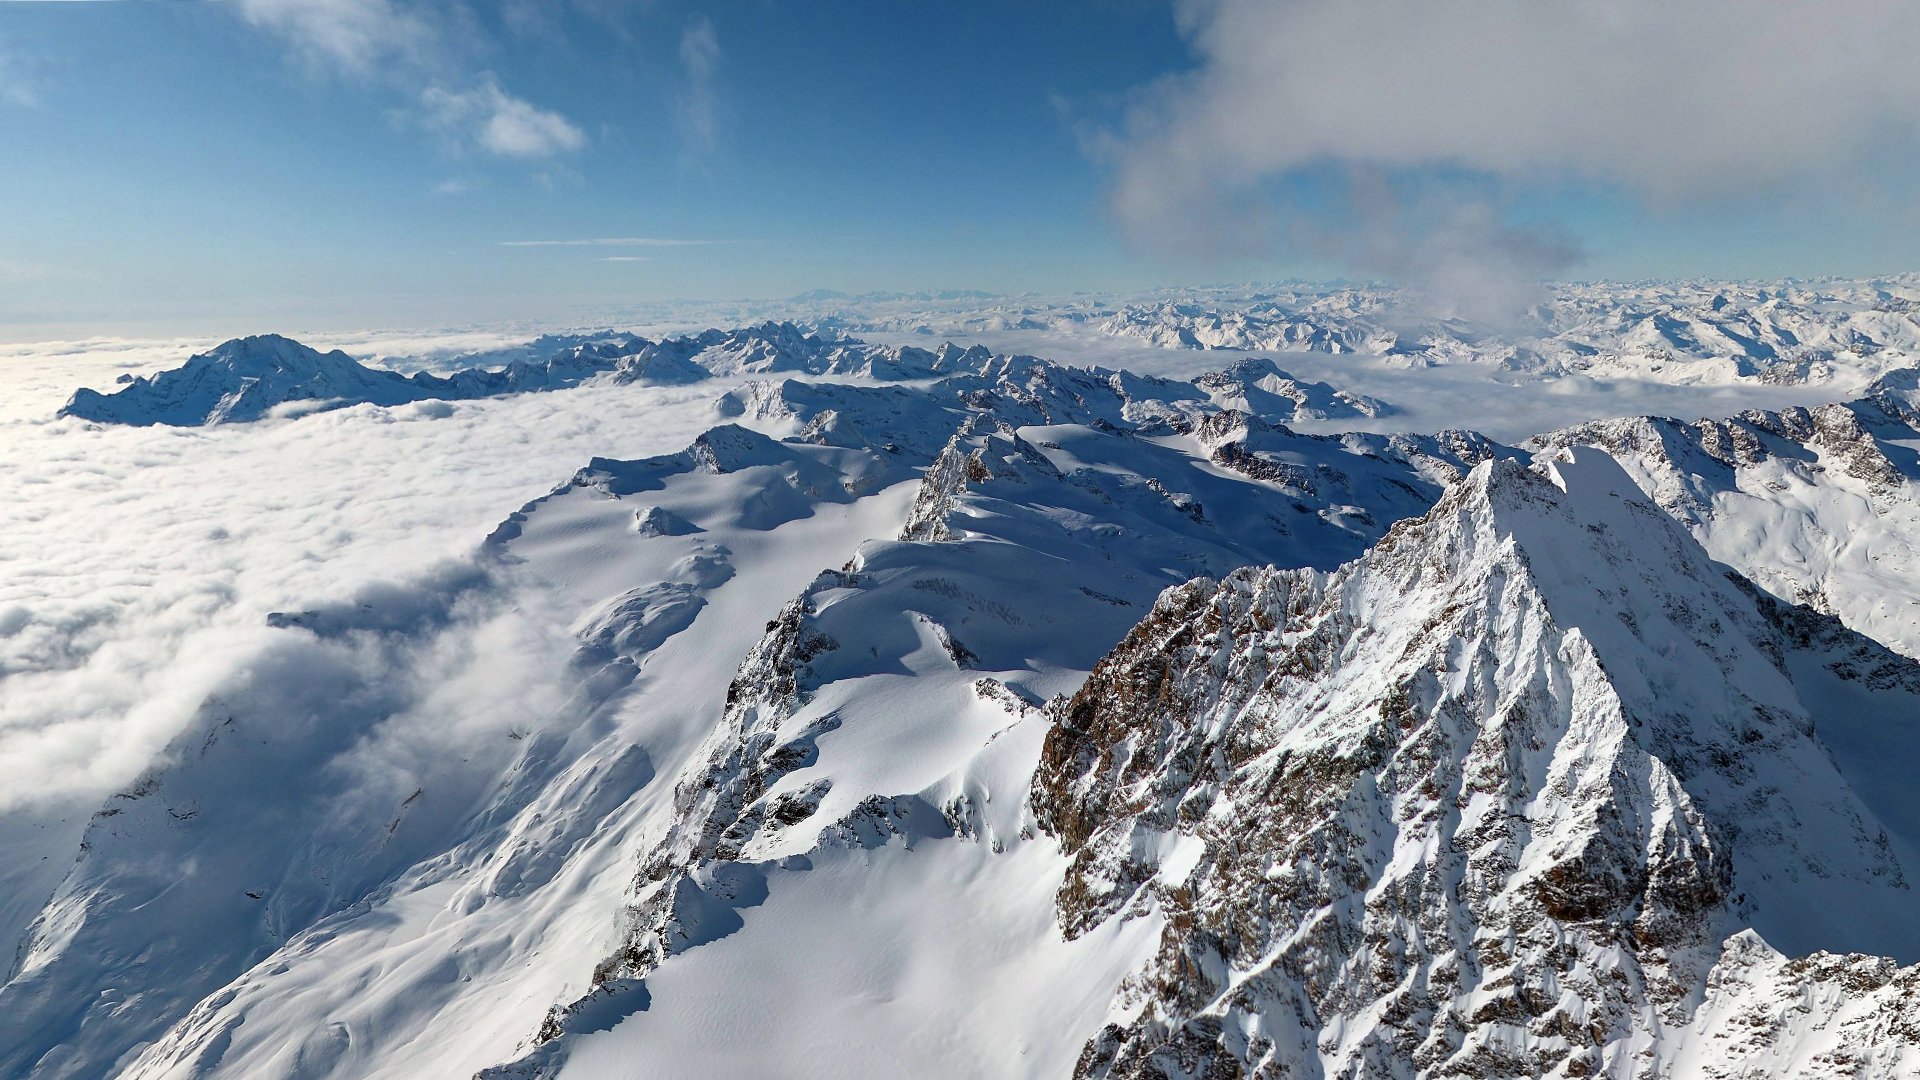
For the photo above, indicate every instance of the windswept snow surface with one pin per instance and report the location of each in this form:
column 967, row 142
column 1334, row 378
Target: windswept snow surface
column 731, row 753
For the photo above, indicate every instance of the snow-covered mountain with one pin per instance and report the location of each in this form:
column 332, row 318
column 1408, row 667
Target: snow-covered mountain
column 1820, row 506
column 251, row 378
column 1532, row 788
column 954, row 712
column 1258, row 386
column 417, row 809
column 1685, row 333
column 1675, row 332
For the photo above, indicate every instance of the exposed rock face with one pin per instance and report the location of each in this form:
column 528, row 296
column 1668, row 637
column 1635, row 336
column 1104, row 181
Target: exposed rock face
column 717, row 808
column 969, row 461
column 1501, row 798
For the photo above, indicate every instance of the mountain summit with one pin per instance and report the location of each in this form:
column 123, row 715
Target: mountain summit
column 1531, row 788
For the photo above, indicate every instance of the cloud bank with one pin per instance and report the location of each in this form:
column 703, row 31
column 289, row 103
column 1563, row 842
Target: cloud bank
column 1666, row 102
column 142, row 562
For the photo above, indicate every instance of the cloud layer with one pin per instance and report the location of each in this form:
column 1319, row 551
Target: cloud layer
column 1669, row 101
column 141, row 562
column 610, row 241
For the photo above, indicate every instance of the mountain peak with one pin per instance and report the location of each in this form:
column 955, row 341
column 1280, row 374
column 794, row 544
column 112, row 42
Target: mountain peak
column 265, row 346
column 1533, row 744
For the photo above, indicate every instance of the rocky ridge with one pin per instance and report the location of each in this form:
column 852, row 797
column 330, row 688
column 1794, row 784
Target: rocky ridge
column 1529, row 789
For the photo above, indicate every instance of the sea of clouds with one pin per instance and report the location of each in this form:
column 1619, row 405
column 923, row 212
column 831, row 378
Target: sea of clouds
column 138, row 565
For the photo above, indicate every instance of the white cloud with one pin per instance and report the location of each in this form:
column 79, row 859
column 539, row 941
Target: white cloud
column 358, row 37
column 610, row 241
column 1668, row 101
column 13, row 270
column 142, row 561
column 699, row 106
column 1672, row 98
column 499, row 122
column 427, row 49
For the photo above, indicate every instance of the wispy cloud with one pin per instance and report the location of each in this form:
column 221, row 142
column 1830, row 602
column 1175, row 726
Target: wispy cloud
column 11, row 270
column 16, row 86
column 612, row 241
column 699, row 106
column 624, row 258
column 499, row 122
column 426, row 51
column 355, row 37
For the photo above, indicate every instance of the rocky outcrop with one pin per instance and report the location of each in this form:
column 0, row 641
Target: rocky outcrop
column 1507, row 796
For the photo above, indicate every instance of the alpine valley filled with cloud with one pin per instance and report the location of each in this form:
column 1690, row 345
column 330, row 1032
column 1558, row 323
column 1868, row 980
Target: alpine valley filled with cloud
column 1479, row 639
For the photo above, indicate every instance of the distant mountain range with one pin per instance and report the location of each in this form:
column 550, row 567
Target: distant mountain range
column 257, row 377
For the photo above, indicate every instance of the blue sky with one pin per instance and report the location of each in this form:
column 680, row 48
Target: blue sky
column 200, row 164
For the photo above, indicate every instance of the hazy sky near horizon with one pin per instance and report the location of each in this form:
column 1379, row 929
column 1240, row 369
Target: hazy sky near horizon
column 217, row 166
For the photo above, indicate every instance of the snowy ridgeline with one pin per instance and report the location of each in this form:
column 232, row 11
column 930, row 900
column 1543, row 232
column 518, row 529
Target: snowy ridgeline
column 982, row 716
column 1785, row 332
column 1688, row 334
column 1702, row 333
column 257, row 377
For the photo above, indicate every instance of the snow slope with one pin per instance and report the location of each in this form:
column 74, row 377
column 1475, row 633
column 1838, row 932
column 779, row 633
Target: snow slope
column 440, row 818
column 952, row 712
column 1820, row 506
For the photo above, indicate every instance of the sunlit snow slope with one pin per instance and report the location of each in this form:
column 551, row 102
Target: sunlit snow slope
column 946, row 712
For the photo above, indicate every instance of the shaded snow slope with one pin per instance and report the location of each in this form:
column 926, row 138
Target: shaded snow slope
column 1820, row 506
column 446, row 751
